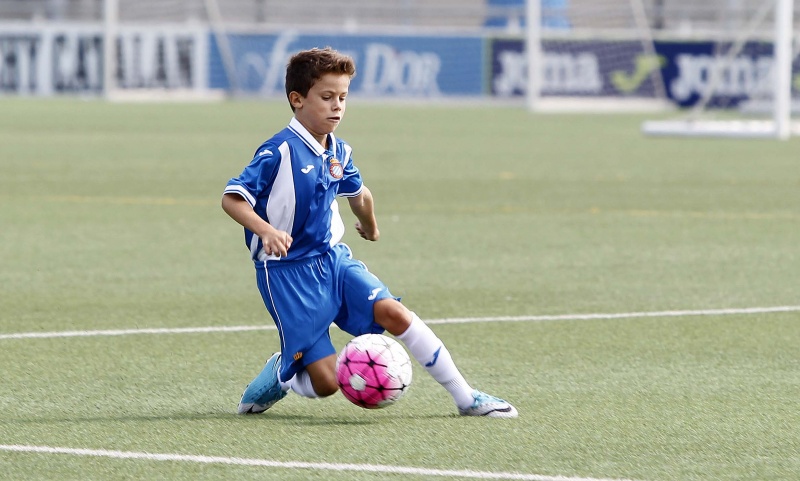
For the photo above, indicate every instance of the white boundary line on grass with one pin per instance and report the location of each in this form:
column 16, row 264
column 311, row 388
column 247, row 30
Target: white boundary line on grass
column 127, row 332
column 363, row 468
column 454, row 320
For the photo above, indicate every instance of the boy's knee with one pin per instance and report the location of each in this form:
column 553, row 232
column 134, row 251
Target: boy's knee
column 325, row 387
column 326, row 390
column 392, row 316
column 323, row 376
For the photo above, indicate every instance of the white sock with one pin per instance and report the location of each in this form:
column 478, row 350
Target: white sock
column 432, row 354
column 300, row 383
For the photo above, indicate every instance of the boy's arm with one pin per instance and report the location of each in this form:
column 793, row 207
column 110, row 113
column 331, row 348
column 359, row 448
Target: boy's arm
column 363, row 207
column 276, row 242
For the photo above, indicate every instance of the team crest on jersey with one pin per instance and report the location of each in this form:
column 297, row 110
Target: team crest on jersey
column 336, row 169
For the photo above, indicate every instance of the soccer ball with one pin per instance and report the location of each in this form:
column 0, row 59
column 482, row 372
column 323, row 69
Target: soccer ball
column 373, row 371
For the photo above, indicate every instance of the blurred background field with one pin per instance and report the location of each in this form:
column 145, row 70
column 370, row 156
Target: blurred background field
column 634, row 296
column 110, row 219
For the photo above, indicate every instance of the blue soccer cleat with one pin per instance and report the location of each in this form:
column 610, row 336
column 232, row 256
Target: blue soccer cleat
column 263, row 391
column 489, row 406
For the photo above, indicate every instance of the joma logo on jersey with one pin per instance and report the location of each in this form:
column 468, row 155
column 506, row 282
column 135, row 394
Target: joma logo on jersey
column 336, row 169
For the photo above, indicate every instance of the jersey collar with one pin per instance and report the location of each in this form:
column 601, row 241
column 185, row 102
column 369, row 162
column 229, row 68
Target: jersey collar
column 296, row 127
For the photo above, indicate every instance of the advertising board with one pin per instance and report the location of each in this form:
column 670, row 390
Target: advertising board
column 602, row 68
column 392, row 66
column 68, row 59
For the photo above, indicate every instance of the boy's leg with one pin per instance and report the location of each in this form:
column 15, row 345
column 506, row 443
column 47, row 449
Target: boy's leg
column 425, row 347
column 433, row 355
column 318, row 379
column 371, row 308
column 268, row 388
column 305, row 339
column 300, row 384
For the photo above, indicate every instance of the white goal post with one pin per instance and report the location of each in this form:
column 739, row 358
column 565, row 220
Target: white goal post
column 110, row 23
column 712, row 68
column 778, row 104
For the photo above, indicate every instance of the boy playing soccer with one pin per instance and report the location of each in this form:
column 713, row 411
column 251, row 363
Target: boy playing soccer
column 286, row 201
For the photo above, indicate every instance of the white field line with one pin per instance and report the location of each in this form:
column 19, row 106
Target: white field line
column 363, row 468
column 454, row 320
column 621, row 315
column 126, row 332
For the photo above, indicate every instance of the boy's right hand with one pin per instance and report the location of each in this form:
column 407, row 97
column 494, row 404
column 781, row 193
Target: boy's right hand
column 276, row 242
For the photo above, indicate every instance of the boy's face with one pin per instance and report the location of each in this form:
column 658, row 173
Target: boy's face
column 323, row 108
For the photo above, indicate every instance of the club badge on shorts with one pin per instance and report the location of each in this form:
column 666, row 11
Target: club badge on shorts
column 336, row 169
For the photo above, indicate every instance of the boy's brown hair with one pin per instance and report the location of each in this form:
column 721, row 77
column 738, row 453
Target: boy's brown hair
column 308, row 66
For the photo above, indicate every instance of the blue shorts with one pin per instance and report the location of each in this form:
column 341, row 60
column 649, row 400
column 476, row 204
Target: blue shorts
column 306, row 296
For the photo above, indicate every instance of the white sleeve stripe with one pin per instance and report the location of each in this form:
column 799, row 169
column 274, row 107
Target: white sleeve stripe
column 238, row 189
column 353, row 194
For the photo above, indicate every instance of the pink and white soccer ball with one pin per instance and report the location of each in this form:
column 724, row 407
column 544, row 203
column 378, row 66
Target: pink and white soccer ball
column 373, row 371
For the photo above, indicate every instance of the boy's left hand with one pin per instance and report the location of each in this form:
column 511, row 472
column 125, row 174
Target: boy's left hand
column 371, row 234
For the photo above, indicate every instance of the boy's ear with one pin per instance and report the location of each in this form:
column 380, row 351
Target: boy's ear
column 295, row 99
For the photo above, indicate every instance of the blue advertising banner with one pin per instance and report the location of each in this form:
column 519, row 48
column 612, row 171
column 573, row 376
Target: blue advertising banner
column 602, row 68
column 386, row 65
column 574, row 68
column 688, row 72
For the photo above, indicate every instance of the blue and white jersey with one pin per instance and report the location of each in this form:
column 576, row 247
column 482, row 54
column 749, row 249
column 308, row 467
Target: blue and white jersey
column 292, row 183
